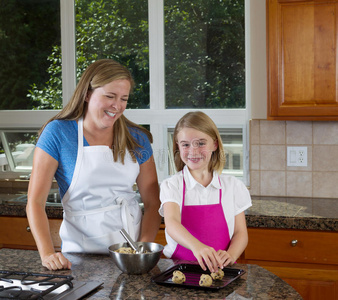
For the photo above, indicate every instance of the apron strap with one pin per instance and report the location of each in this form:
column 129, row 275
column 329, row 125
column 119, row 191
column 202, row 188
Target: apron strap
column 127, row 220
column 78, row 159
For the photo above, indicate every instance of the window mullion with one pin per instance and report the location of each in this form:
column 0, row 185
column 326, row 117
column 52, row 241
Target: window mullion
column 156, row 53
column 157, row 85
column 68, row 46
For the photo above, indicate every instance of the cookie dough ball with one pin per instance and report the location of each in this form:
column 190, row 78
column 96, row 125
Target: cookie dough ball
column 218, row 275
column 178, row 277
column 127, row 250
column 205, row 280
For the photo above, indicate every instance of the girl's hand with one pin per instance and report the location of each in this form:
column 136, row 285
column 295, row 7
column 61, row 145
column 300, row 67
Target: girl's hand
column 225, row 258
column 206, row 255
column 56, row 261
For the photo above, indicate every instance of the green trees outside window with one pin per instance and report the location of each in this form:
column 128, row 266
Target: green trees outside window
column 204, row 50
column 29, row 32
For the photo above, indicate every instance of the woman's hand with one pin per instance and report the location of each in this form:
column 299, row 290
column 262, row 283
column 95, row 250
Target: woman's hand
column 226, row 258
column 56, row 261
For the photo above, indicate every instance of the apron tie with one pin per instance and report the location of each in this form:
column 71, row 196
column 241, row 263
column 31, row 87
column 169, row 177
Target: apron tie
column 69, row 213
column 127, row 219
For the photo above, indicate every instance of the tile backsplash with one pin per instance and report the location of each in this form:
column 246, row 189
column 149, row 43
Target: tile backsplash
column 269, row 173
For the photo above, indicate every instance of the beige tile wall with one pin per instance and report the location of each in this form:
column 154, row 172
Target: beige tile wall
column 269, row 173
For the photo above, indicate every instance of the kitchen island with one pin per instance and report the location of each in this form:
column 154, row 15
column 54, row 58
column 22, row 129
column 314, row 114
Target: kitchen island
column 256, row 283
column 294, row 238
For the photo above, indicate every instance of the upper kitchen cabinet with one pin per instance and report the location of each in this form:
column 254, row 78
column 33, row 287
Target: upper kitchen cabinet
column 302, row 59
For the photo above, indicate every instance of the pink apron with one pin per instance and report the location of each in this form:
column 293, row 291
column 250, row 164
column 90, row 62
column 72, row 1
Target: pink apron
column 206, row 223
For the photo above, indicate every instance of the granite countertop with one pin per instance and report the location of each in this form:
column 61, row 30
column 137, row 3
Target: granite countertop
column 9, row 207
column 266, row 212
column 256, row 283
column 293, row 213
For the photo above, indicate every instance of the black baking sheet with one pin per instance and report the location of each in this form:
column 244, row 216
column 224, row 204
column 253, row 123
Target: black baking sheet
column 193, row 273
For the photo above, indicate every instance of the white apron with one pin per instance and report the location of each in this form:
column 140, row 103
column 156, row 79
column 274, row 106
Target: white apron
column 100, row 200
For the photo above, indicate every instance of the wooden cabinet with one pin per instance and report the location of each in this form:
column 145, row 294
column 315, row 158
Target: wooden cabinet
column 302, row 38
column 307, row 260
column 15, row 233
column 160, row 238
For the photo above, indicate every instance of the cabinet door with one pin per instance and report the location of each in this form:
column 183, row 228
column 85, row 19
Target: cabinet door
column 297, row 246
column 302, row 59
column 160, row 237
column 307, row 260
column 314, row 289
column 15, row 233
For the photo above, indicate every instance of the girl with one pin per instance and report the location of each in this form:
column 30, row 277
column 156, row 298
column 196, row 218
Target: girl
column 203, row 209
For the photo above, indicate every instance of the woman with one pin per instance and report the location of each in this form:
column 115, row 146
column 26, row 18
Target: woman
column 96, row 155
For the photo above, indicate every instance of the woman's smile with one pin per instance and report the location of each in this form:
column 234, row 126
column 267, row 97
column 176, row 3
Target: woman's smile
column 110, row 113
column 107, row 103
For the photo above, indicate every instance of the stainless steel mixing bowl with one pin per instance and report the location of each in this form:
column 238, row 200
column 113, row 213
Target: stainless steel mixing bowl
column 136, row 263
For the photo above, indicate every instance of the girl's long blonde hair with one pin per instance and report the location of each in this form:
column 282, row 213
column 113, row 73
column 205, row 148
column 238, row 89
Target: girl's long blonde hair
column 97, row 75
column 201, row 122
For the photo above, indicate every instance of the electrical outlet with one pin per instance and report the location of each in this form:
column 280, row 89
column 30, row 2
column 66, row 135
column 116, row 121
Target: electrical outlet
column 297, row 156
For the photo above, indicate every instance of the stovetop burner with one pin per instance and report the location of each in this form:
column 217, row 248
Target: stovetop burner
column 26, row 285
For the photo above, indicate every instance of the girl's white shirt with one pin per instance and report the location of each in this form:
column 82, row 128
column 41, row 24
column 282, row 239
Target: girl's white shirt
column 235, row 198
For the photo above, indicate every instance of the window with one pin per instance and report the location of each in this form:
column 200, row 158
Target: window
column 16, row 150
column 233, row 147
column 28, row 53
column 184, row 55
column 116, row 30
column 204, row 54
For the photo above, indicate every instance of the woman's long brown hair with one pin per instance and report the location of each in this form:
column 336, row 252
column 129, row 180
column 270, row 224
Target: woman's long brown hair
column 97, row 75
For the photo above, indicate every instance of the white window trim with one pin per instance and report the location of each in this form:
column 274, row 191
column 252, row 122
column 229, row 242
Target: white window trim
column 159, row 118
column 68, row 49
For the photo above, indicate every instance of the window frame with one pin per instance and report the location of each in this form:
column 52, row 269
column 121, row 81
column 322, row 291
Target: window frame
column 14, row 169
column 157, row 116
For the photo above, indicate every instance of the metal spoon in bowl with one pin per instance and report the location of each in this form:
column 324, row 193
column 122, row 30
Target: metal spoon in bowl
column 131, row 242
